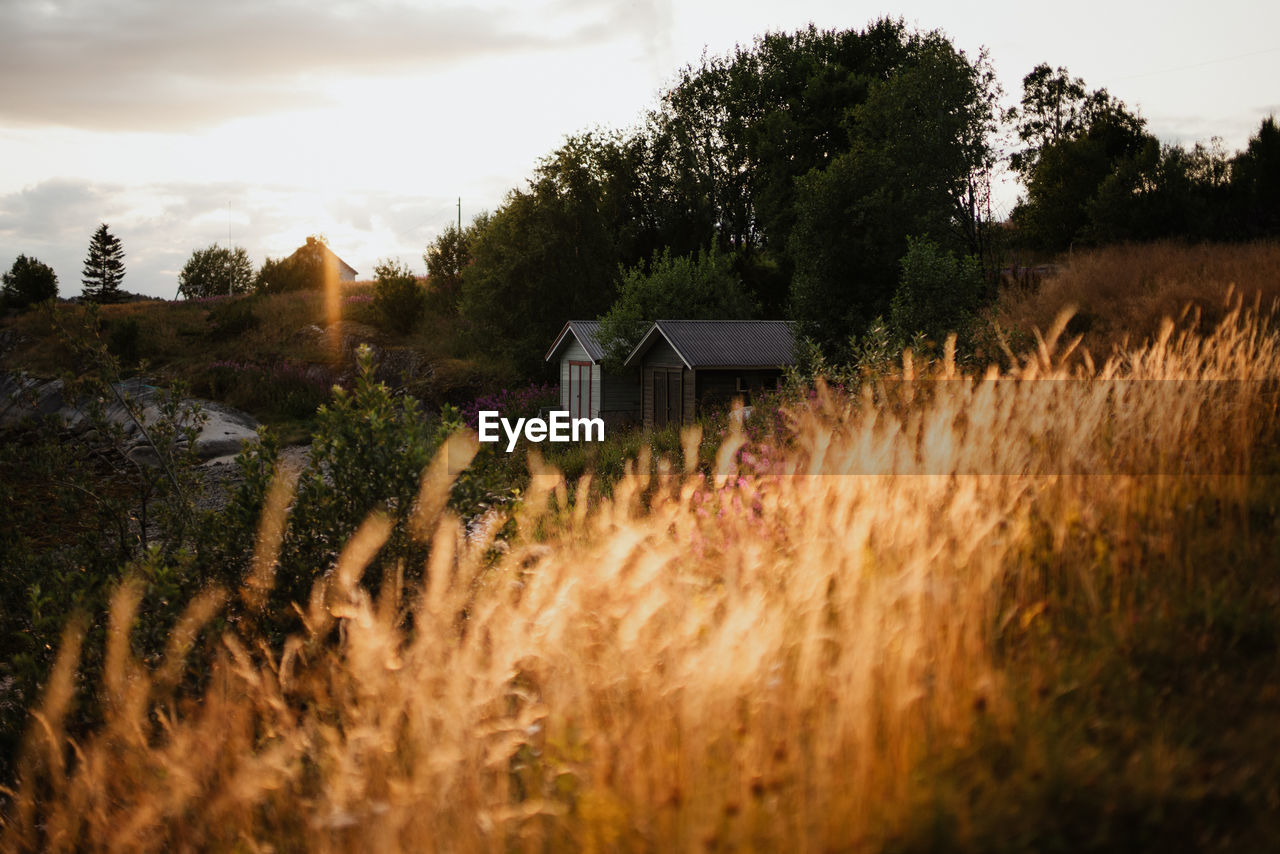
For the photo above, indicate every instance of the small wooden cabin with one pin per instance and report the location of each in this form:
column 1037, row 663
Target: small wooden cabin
column 586, row 389
column 686, row 365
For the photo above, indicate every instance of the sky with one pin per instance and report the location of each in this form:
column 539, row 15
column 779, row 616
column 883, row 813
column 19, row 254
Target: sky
column 259, row 122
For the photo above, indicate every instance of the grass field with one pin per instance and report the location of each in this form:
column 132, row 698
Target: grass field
column 1029, row 611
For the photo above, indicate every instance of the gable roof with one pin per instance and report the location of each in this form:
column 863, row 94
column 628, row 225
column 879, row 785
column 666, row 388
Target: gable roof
column 723, row 343
column 325, row 252
column 585, row 331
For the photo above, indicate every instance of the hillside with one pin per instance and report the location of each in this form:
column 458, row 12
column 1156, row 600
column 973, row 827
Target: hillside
column 836, row 631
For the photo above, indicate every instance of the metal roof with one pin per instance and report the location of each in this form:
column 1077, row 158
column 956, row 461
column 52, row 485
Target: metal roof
column 723, row 343
column 583, row 330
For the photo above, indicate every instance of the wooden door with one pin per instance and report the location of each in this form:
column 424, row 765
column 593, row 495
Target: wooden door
column 579, row 389
column 675, row 397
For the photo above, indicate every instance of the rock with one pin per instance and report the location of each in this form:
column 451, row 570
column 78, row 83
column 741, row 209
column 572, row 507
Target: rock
column 223, row 432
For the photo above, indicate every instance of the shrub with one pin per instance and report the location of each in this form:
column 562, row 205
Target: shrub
column 124, row 341
column 521, row 402
column 282, row 390
column 937, row 293
column 398, row 298
column 368, row 453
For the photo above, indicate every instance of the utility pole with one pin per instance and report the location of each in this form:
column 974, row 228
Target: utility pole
column 459, row 216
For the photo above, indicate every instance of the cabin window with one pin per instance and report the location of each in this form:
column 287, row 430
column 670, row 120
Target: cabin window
column 579, row 389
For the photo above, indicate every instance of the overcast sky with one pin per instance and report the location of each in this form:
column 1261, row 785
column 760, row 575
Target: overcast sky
column 259, row 122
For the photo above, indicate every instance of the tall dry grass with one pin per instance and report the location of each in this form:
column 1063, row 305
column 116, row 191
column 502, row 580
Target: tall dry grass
column 777, row 660
column 1122, row 292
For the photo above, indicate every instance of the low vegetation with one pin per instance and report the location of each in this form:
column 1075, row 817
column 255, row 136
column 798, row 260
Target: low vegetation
column 938, row 610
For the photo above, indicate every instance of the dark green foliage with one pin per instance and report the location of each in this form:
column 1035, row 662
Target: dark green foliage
column 304, row 270
column 916, row 164
column 1255, row 179
column 367, row 454
column 1067, row 174
column 446, row 257
column 79, row 512
column 1054, row 107
column 277, row 392
column 938, row 293
column 702, row 287
column 398, row 297
column 1163, row 191
column 28, row 282
column 103, row 268
column 547, row 254
column 124, row 341
column 216, row 271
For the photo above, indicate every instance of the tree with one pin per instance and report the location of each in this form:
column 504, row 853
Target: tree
column 736, row 133
column 1255, row 178
column 103, row 268
column 1075, row 140
column 917, row 162
column 1054, row 106
column 446, row 257
column 701, row 287
column 28, row 282
column 301, row 271
column 551, row 252
column 216, row 271
column 398, row 296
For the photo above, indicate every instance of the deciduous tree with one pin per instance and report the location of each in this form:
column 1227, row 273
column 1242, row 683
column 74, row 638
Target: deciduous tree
column 701, row 287
column 215, row 271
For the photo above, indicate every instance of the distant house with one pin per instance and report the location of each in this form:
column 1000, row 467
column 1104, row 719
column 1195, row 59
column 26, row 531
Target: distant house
column 346, row 273
column 586, row 389
column 687, row 364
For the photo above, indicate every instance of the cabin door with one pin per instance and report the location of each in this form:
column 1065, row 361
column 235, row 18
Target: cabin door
column 667, row 397
column 579, row 389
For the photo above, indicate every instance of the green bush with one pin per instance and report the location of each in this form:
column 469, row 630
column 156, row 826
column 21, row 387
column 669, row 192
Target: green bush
column 397, row 297
column 367, row 454
column 937, row 293
column 124, row 341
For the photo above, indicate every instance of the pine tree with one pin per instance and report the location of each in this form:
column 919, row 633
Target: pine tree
column 103, row 267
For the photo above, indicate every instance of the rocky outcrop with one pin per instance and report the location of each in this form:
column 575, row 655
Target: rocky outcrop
column 24, row 397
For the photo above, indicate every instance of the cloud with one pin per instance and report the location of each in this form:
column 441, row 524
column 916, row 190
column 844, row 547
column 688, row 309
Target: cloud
column 159, row 65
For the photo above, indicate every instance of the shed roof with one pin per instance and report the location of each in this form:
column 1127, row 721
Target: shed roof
column 723, row 343
column 585, row 331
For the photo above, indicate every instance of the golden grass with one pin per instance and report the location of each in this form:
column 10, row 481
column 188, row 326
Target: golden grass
column 759, row 661
column 1121, row 293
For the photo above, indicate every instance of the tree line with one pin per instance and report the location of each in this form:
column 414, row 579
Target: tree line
column 841, row 179
column 829, row 177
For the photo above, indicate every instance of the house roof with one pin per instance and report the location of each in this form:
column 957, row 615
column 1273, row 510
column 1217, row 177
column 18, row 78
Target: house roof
column 585, row 331
column 723, row 343
column 327, row 252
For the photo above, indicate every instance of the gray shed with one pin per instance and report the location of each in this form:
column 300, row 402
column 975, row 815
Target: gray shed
column 586, row 389
column 686, row 365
